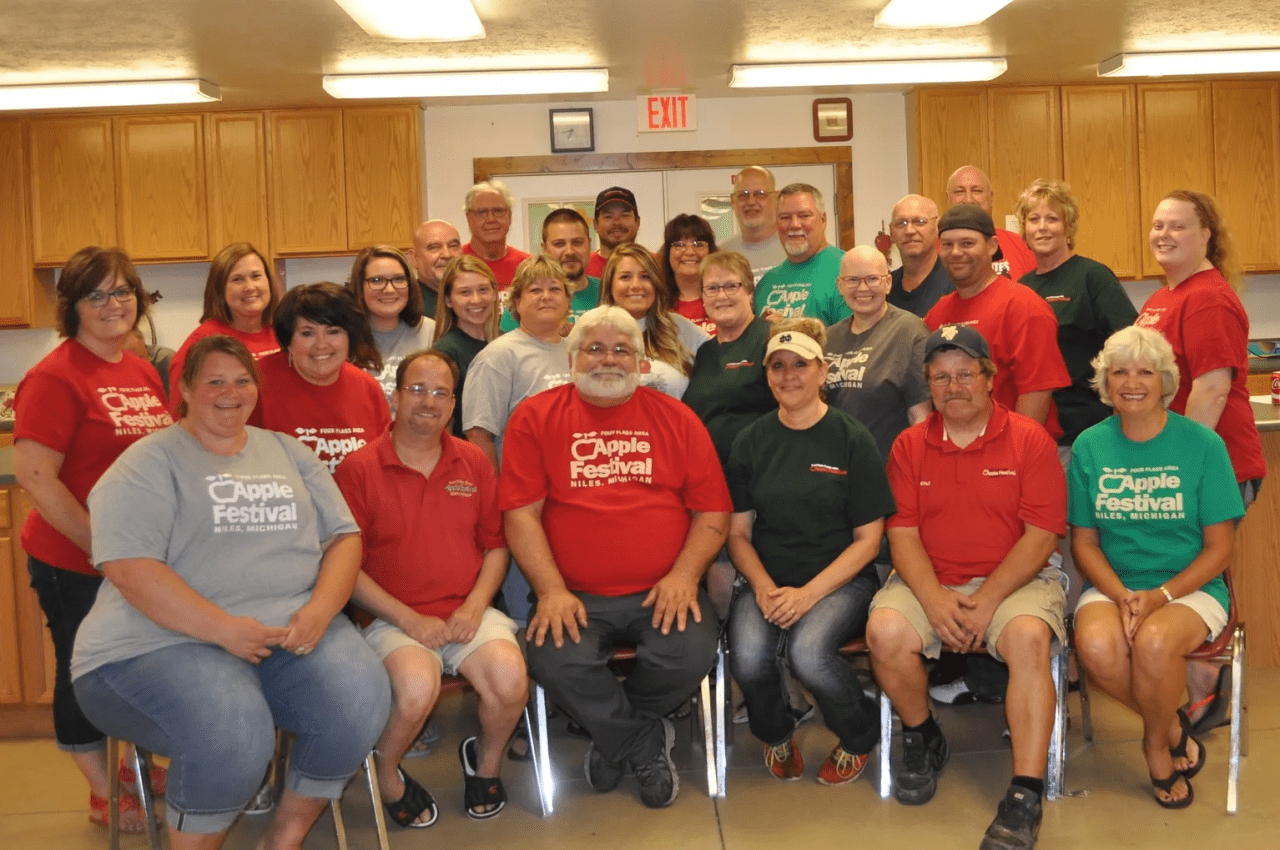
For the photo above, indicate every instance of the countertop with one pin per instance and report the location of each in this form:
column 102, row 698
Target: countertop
column 1265, row 414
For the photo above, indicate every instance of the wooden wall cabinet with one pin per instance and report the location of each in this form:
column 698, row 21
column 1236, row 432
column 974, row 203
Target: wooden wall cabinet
column 236, row 162
column 160, row 177
column 951, row 131
column 24, row 298
column 1026, row 142
column 73, row 188
column 307, row 186
column 1100, row 161
column 1246, row 160
column 384, row 200
column 26, row 651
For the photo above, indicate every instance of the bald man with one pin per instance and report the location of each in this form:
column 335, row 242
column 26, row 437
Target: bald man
column 970, row 185
column 435, row 243
column 755, row 207
column 923, row 278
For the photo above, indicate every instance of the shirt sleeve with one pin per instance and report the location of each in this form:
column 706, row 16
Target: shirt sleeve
column 870, row 498
column 1033, row 332
column 489, row 534
column 915, row 388
column 1043, row 501
column 133, row 507
column 524, row 477
column 1113, row 308
column 737, row 473
column 47, row 411
column 485, row 395
column 904, row 480
column 1213, row 336
column 704, row 486
column 1218, row 492
column 1079, row 494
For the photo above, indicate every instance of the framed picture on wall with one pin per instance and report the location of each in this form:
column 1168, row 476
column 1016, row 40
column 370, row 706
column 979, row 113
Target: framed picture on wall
column 832, row 119
column 537, row 209
column 573, row 130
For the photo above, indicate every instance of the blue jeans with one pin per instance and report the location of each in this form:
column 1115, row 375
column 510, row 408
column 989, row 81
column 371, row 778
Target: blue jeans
column 214, row 715
column 812, row 649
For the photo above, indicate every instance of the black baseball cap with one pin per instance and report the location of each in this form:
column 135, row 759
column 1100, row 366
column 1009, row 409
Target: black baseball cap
column 618, row 195
column 964, row 337
column 967, row 217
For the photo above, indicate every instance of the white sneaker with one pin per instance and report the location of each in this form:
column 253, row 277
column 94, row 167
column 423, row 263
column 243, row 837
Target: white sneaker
column 952, row 693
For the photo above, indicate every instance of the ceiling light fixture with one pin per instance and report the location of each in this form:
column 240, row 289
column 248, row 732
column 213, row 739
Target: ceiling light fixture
column 1197, row 62
column 903, row 72
column 416, row 20
column 468, row 84
column 937, row 14
column 121, row 93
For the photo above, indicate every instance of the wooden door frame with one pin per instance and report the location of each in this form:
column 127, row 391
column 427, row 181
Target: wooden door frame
column 485, row 168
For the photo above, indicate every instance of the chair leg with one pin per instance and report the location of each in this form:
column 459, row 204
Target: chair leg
column 1056, row 769
column 375, row 798
column 539, row 750
column 724, row 718
column 113, row 796
column 339, row 825
column 1239, row 721
column 886, row 746
column 708, row 737
column 1086, row 714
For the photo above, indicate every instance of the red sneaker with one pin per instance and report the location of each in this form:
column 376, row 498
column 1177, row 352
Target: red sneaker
column 784, row 760
column 841, row 766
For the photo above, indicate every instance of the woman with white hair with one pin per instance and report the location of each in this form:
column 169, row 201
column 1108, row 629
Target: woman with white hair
column 1153, row 505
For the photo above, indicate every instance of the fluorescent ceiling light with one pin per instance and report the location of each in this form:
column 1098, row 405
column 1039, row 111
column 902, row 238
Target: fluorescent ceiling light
column 416, row 20
column 123, row 93
column 804, row 75
column 937, row 14
column 468, row 84
column 1190, row 62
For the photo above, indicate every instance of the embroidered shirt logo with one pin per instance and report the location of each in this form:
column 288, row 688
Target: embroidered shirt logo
column 822, row 467
column 458, row 487
column 996, row 473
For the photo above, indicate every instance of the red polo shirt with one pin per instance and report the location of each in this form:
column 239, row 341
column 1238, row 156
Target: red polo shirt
column 970, row 504
column 503, row 269
column 424, row 537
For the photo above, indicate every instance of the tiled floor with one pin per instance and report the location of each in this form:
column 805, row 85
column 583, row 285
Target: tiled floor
column 42, row 798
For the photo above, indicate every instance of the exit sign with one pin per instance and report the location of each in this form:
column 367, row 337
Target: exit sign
column 665, row 113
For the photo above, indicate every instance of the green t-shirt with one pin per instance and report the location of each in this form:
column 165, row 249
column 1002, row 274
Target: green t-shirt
column 430, row 298
column 463, row 348
column 804, row 289
column 1090, row 305
column 728, row 389
column 1151, row 501
column 810, row 489
column 581, row 302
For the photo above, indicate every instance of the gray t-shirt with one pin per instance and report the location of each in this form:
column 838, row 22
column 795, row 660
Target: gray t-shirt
column 245, row 532
column 510, row 369
column 875, row 376
column 762, row 255
column 394, row 345
column 664, row 377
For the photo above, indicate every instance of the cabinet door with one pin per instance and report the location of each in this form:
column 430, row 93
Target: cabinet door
column 1246, row 164
column 1026, row 142
column 1100, row 161
column 236, row 154
column 951, row 131
column 1175, row 147
column 384, row 198
column 73, row 190
column 160, row 174
column 308, row 187
column 37, row 647
column 16, row 284
column 10, row 663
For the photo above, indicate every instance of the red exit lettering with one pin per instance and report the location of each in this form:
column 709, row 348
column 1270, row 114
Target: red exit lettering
column 668, row 113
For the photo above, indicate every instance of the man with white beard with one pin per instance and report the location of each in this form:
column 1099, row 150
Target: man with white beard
column 615, row 505
column 805, row 285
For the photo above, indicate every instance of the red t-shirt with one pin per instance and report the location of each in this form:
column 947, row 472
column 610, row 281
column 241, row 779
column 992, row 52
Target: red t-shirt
column 1022, row 331
column 333, row 421
column 90, row 410
column 424, row 538
column 970, row 504
column 504, row 269
column 1206, row 324
column 695, row 311
column 1018, row 258
column 260, row 344
column 619, row 483
column 595, row 265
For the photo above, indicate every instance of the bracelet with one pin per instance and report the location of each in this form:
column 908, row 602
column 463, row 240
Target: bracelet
column 1168, row 597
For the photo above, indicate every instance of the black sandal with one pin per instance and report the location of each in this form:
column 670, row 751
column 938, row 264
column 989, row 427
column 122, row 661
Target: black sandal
column 1180, row 751
column 415, row 802
column 1166, row 785
column 478, row 791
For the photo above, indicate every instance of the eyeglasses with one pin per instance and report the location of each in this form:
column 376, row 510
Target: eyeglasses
column 748, row 194
column 730, row 288
column 596, row 351
column 942, row 379
column 398, row 281
column 696, row 245
column 420, row 390
column 918, row 221
column 99, row 297
column 854, row 282
column 493, row 212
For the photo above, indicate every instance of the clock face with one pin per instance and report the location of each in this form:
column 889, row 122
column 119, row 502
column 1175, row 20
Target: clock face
column 571, row 130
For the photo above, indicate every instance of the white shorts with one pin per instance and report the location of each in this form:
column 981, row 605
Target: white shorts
column 386, row 638
column 1209, row 609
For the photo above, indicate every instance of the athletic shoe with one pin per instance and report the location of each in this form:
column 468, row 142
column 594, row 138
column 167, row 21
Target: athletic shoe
column 262, row 802
column 602, row 774
column 917, row 781
column 657, row 777
column 784, row 760
column 841, row 766
column 952, row 693
column 1017, row 821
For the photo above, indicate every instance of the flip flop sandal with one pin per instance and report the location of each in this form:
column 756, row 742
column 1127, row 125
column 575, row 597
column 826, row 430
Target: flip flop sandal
column 1180, row 751
column 478, row 791
column 414, row 804
column 1166, row 785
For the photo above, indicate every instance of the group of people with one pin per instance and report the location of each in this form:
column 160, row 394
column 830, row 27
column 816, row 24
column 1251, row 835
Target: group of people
column 370, row 486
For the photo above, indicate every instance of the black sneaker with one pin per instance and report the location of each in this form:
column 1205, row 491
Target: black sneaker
column 602, row 774
column 917, row 781
column 1017, row 822
column 657, row 777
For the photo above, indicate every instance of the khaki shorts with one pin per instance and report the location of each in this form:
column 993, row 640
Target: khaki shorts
column 1042, row 598
column 386, row 638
